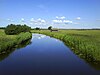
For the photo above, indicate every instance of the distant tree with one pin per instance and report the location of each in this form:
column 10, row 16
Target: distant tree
column 2, row 27
column 37, row 28
column 50, row 27
column 16, row 29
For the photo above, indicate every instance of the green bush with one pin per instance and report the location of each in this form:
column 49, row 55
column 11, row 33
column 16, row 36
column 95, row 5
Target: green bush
column 16, row 29
column 37, row 28
column 50, row 27
column 7, row 42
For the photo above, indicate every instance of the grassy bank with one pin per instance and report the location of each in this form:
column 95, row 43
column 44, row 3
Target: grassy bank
column 85, row 43
column 22, row 45
column 9, row 41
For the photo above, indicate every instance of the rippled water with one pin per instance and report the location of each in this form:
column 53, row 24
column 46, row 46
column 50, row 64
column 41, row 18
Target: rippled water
column 45, row 56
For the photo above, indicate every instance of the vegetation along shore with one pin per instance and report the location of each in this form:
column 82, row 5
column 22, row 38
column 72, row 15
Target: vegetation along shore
column 12, row 36
column 84, row 43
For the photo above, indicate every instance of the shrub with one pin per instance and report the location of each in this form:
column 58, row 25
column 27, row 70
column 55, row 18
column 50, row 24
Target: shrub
column 16, row 29
column 37, row 28
column 50, row 27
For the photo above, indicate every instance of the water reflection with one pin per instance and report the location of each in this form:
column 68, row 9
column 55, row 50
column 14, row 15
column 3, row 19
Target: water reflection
column 38, row 36
column 7, row 53
column 91, row 63
column 44, row 56
column 95, row 65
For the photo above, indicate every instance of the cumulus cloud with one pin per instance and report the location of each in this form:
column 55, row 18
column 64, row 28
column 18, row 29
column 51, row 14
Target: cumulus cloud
column 57, row 17
column 67, row 21
column 61, row 20
column 62, row 17
column 38, row 21
column 78, row 18
column 41, row 20
column 57, row 21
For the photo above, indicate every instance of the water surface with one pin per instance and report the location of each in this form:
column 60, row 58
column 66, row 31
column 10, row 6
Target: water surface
column 45, row 56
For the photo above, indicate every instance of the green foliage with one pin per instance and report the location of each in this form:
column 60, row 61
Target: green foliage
column 16, row 29
column 2, row 27
column 37, row 28
column 50, row 27
column 23, row 36
column 9, row 41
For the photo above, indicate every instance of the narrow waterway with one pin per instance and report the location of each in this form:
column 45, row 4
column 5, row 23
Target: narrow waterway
column 45, row 56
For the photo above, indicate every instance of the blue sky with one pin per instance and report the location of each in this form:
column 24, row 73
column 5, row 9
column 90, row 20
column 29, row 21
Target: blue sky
column 56, row 13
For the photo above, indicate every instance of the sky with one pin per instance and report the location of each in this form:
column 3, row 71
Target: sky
column 67, row 14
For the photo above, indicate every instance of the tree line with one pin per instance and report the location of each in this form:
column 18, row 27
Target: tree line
column 37, row 28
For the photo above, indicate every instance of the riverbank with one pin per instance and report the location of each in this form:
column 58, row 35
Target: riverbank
column 84, row 43
column 7, row 42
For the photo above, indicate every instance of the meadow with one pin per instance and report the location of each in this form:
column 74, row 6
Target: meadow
column 84, row 43
column 9, row 41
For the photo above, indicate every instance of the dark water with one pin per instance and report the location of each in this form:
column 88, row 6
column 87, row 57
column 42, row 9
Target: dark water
column 44, row 56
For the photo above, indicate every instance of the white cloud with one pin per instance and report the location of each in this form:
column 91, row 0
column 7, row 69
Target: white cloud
column 62, row 17
column 78, row 18
column 57, row 21
column 67, row 21
column 41, row 20
column 57, row 17
column 62, row 21
column 32, row 20
column 22, row 19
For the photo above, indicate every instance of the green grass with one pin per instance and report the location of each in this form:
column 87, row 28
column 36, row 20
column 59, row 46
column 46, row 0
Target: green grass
column 85, row 43
column 9, row 41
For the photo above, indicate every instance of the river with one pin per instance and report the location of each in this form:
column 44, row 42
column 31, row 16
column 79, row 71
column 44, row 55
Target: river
column 45, row 56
